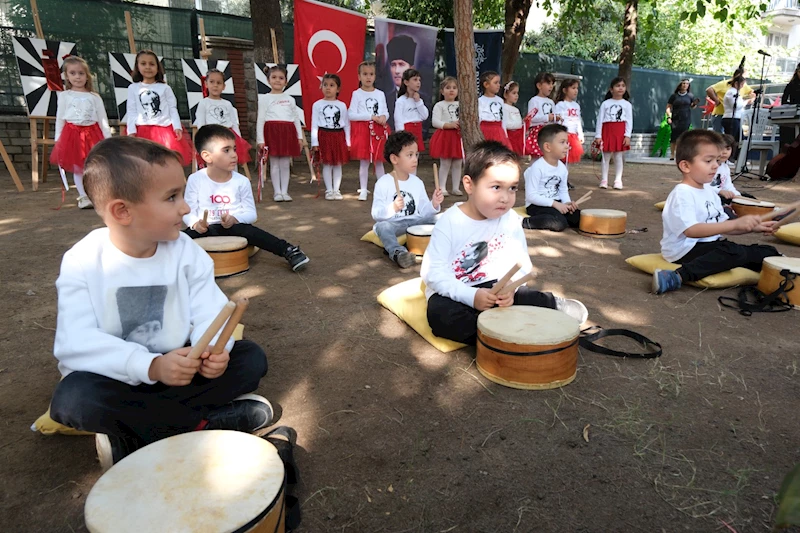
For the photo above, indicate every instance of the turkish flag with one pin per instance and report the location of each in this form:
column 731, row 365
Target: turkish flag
column 327, row 40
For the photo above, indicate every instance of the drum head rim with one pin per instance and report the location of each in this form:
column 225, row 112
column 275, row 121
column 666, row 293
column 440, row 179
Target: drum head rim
column 753, row 203
column 599, row 213
column 793, row 266
column 410, row 230
column 233, row 239
column 554, row 318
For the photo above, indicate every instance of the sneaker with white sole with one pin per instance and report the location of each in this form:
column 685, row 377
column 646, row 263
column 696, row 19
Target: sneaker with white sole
column 618, row 185
column 297, row 259
column 362, row 194
column 404, row 259
column 604, row 185
column 445, row 193
column 84, row 202
column 329, row 195
column 457, row 193
column 248, row 413
column 287, row 198
column 278, row 197
column 112, row 449
column 573, row 308
column 665, row 281
column 337, row 195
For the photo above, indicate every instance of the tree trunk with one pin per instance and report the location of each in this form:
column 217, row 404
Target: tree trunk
column 465, row 68
column 629, row 29
column 516, row 16
column 266, row 14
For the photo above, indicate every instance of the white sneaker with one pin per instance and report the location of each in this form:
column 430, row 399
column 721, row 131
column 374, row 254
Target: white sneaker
column 84, row 202
column 618, row 185
column 573, row 308
column 278, row 197
column 445, row 193
column 457, row 193
column 604, row 185
column 330, row 195
column 287, row 198
column 362, row 194
column 104, row 454
column 337, row 195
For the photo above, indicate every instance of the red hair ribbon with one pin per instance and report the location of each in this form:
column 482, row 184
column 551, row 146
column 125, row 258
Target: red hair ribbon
column 65, row 56
column 203, row 86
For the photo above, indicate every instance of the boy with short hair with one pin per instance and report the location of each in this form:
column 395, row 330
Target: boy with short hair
column 131, row 296
column 547, row 198
column 228, row 197
column 475, row 243
column 694, row 220
column 394, row 213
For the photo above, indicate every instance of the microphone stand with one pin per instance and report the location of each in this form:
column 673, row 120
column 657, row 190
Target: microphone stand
column 746, row 172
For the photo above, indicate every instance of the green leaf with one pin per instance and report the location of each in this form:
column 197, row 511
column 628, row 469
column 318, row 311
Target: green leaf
column 789, row 500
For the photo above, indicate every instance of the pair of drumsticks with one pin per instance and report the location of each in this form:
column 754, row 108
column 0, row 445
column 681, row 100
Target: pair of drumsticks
column 784, row 214
column 585, row 198
column 232, row 312
column 505, row 287
column 435, row 179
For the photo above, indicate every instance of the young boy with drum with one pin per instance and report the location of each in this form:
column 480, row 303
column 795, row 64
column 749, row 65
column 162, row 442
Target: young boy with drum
column 228, row 198
column 400, row 200
column 132, row 297
column 695, row 222
column 475, row 243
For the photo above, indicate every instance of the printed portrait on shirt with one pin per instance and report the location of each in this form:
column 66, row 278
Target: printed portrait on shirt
column 410, row 206
column 717, row 181
column 551, row 186
column 331, row 117
column 712, row 213
column 613, row 113
column 496, row 109
column 151, row 104
column 452, row 110
column 372, row 105
column 217, row 112
column 547, row 108
column 141, row 313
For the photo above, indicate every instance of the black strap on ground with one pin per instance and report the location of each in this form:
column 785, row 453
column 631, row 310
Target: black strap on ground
column 594, row 333
column 751, row 300
column 284, row 439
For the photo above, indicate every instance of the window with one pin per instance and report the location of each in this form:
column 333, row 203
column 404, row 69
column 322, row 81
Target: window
column 778, row 39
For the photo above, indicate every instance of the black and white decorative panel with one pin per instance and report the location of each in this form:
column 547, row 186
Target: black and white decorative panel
column 194, row 72
column 40, row 64
column 121, row 68
column 292, row 89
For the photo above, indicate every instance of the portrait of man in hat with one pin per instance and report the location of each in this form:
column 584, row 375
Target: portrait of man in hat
column 400, row 55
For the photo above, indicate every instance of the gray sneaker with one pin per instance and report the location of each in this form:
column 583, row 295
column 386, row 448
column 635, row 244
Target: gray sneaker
column 404, row 259
column 573, row 308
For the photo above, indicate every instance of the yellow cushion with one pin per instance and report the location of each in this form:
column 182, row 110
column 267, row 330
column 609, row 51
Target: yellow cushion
column 372, row 237
column 789, row 233
column 521, row 211
column 660, row 205
column 730, row 278
column 407, row 301
column 47, row 426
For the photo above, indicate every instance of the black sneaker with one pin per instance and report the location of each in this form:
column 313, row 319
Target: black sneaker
column 247, row 413
column 112, row 449
column 297, row 259
column 404, row 259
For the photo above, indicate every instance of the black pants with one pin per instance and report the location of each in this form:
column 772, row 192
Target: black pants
column 550, row 218
column 678, row 128
column 147, row 413
column 707, row 258
column 458, row 322
column 733, row 127
column 255, row 236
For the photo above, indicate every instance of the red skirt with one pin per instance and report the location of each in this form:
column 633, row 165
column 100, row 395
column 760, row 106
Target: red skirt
column 613, row 135
column 446, row 144
column 367, row 140
column 517, row 140
column 532, row 141
column 575, row 149
column 280, row 138
column 74, row 144
column 165, row 136
column 242, row 149
column 416, row 129
column 493, row 131
column 333, row 147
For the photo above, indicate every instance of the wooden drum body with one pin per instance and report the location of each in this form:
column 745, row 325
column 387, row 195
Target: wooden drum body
column 526, row 347
column 745, row 206
column 230, row 254
column 209, row 481
column 603, row 223
column 771, row 277
column 418, row 237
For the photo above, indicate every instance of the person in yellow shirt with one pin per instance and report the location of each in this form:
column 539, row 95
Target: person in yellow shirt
column 716, row 93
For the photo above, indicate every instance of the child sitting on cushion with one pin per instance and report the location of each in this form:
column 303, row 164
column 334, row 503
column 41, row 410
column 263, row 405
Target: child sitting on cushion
column 475, row 243
column 695, row 222
column 131, row 297
column 228, row 198
column 395, row 213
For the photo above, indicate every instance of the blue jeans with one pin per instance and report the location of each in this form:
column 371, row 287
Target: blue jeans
column 716, row 123
column 389, row 230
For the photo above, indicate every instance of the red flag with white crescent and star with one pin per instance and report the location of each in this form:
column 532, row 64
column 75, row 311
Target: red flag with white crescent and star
column 327, row 39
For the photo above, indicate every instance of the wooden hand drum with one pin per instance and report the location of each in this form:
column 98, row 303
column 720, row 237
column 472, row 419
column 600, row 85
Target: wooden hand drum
column 526, row 347
column 603, row 223
column 230, row 254
column 203, row 481
column 771, row 277
column 418, row 237
column 745, row 206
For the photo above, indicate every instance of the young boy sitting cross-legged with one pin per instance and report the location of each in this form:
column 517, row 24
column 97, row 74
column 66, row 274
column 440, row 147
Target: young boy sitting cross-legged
column 228, row 198
column 695, row 222
column 393, row 213
column 131, row 298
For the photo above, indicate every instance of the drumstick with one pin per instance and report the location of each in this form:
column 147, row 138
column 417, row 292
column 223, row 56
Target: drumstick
column 396, row 185
column 780, row 212
column 521, row 281
column 198, row 349
column 585, row 198
column 502, row 281
column 435, row 177
column 789, row 215
column 233, row 321
column 205, row 216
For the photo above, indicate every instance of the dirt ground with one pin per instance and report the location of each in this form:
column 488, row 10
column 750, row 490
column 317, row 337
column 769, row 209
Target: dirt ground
column 398, row 437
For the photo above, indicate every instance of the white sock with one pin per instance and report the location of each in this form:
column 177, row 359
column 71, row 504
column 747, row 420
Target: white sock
column 275, row 174
column 363, row 173
column 444, row 170
column 78, row 178
column 604, row 167
column 379, row 170
column 327, row 178
column 455, row 171
column 337, row 177
column 285, row 173
column 619, row 158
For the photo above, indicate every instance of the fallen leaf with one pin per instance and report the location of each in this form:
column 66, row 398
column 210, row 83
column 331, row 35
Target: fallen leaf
column 586, row 433
column 390, row 489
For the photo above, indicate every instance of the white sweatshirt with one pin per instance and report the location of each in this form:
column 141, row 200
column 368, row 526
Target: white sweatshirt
column 539, row 109
column 491, row 109
column 277, row 108
column 222, row 112
column 117, row 313
column 152, row 105
column 331, row 115
column 233, row 197
column 464, row 252
column 570, row 113
column 81, row 109
column 444, row 112
column 417, row 203
column 728, row 101
column 722, row 180
column 408, row 110
column 366, row 104
column 614, row 111
column 545, row 184
column 512, row 116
